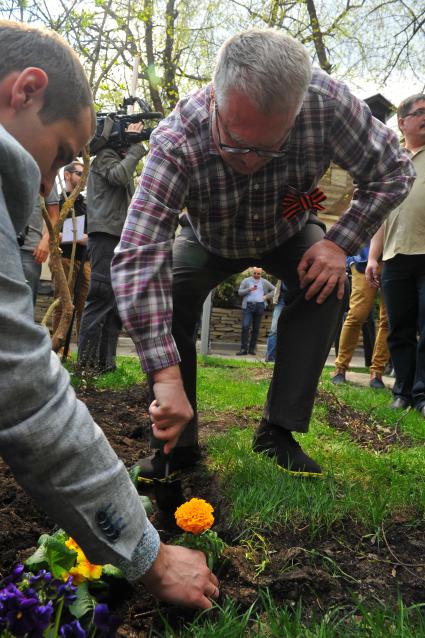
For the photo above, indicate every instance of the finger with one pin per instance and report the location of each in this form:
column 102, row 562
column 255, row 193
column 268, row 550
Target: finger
column 326, row 290
column 341, row 288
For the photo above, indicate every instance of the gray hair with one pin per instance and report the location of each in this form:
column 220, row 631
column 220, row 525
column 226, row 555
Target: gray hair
column 271, row 68
column 405, row 106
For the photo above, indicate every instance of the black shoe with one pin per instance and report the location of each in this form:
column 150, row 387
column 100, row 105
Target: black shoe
column 399, row 402
column 376, row 383
column 339, row 377
column 422, row 411
column 252, row 352
column 280, row 444
column 154, row 466
column 242, row 351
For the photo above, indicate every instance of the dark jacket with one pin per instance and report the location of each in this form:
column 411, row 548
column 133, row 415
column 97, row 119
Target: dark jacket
column 110, row 188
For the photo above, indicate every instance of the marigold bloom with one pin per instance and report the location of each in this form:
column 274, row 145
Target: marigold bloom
column 195, row 516
column 83, row 570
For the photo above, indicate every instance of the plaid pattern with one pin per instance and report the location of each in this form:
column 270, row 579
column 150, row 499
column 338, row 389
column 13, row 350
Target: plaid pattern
column 237, row 216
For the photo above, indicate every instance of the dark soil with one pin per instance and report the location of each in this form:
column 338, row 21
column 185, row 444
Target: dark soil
column 332, row 571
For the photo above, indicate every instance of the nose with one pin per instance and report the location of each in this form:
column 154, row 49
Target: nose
column 251, row 161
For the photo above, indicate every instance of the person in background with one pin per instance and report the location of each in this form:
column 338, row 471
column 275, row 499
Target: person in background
column 255, row 291
column 110, row 187
column 362, row 300
column 34, row 240
column 278, row 303
column 401, row 242
column 80, row 278
column 47, row 437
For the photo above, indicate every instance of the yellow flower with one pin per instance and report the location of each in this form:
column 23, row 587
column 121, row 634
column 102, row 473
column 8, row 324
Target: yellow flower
column 194, row 516
column 83, row 570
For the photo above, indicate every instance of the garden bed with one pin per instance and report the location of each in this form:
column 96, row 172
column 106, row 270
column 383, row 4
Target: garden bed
column 332, row 571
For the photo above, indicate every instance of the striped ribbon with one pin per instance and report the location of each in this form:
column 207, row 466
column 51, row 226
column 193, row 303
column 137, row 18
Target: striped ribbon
column 294, row 203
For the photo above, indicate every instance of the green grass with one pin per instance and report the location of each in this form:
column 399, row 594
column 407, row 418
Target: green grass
column 360, row 485
column 264, row 619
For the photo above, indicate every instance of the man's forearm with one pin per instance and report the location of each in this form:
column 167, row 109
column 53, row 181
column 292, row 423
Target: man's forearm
column 377, row 244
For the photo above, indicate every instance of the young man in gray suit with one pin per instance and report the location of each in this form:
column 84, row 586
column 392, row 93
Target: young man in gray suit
column 47, row 437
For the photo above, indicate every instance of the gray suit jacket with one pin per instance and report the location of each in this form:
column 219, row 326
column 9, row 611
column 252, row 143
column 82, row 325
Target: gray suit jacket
column 47, row 437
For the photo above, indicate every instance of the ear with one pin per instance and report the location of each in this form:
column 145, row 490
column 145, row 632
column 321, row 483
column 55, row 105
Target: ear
column 28, row 89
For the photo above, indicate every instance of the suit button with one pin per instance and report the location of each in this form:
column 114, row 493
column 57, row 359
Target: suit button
column 101, row 517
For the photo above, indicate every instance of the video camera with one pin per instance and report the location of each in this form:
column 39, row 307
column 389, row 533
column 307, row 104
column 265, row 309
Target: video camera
column 111, row 127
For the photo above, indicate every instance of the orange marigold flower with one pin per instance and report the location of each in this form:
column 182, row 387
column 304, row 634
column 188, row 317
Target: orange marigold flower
column 195, row 516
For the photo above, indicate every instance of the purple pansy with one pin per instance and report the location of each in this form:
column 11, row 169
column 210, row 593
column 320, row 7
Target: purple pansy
column 72, row 630
column 106, row 622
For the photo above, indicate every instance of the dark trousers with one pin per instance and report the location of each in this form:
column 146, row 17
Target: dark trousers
column 304, row 335
column 100, row 322
column 251, row 320
column 403, row 284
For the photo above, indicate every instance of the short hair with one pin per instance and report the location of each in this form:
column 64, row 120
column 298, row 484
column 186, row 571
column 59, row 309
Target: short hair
column 68, row 91
column 271, row 68
column 69, row 168
column 405, row 106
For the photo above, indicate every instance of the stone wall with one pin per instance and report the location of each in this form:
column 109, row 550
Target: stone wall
column 226, row 323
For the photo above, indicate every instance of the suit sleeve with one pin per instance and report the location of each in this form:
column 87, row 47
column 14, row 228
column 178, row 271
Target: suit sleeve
column 49, row 440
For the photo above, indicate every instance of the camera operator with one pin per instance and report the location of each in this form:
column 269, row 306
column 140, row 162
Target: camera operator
column 34, row 241
column 110, row 188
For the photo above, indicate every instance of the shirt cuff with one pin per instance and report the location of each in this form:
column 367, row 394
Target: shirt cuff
column 158, row 353
column 143, row 556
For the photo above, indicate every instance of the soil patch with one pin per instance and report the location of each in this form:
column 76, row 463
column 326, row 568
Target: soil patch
column 362, row 427
column 330, row 571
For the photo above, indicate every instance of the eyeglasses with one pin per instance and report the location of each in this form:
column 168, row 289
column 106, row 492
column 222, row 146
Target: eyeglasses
column 237, row 150
column 79, row 173
column 417, row 113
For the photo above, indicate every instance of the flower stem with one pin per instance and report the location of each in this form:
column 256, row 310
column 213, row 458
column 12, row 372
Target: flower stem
column 58, row 617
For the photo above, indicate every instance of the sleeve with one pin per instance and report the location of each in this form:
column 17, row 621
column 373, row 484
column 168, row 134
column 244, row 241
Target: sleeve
column 142, row 265
column 115, row 170
column 382, row 172
column 53, row 196
column 51, row 443
column 244, row 288
column 269, row 289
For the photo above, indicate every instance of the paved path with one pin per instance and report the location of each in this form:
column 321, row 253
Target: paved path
column 126, row 348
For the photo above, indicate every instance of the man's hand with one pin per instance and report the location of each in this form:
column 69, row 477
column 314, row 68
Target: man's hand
column 41, row 251
column 170, row 411
column 135, row 127
column 321, row 268
column 181, row 576
column 372, row 274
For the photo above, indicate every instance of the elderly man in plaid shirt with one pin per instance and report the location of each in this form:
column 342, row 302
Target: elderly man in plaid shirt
column 244, row 156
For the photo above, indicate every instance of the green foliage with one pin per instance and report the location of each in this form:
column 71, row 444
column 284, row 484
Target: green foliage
column 52, row 554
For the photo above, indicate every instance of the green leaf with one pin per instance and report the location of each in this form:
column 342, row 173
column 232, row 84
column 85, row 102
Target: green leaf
column 147, row 504
column 111, row 570
column 84, row 602
column 53, row 554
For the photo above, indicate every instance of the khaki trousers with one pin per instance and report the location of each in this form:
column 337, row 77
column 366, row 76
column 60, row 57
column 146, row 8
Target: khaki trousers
column 82, row 293
column 362, row 299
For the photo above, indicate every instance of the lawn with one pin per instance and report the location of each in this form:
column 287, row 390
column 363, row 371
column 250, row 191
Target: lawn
column 339, row 556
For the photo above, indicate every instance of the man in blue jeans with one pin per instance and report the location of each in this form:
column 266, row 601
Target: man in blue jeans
column 278, row 302
column 255, row 292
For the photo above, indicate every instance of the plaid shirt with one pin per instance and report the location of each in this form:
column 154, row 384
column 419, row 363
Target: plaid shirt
column 237, row 215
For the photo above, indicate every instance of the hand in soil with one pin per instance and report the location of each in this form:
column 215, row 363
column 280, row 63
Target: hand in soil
column 180, row 576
